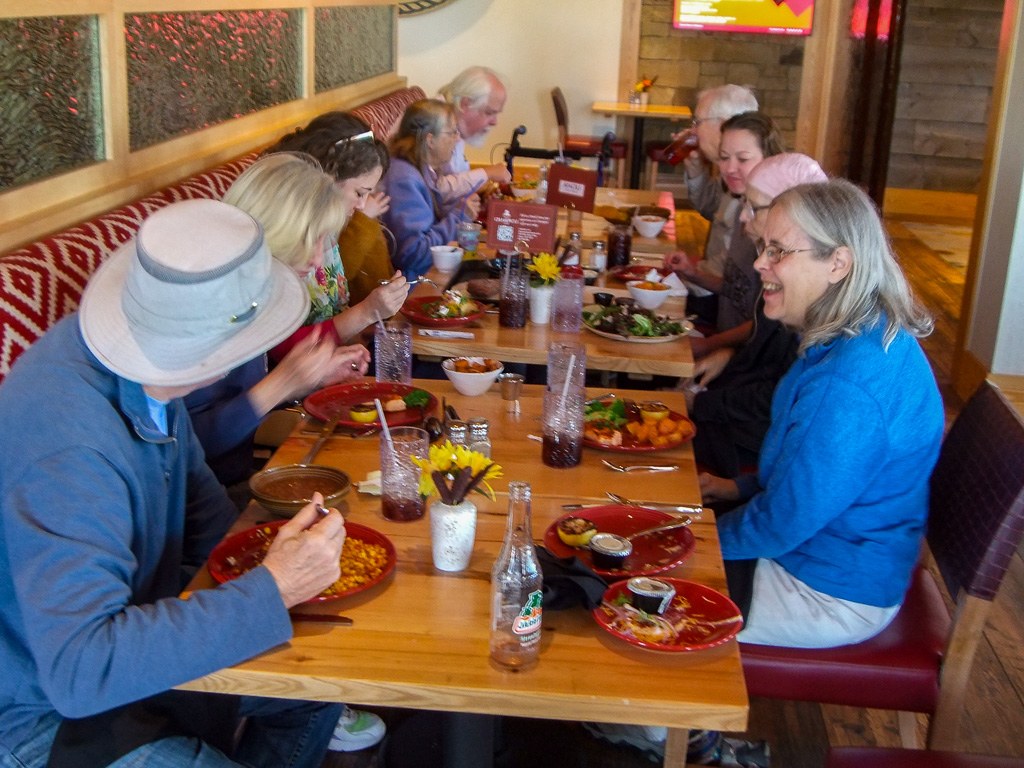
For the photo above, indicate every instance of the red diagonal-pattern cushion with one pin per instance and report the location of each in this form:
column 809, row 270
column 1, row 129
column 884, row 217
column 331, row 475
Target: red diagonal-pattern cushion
column 873, row 757
column 383, row 114
column 898, row 669
column 43, row 282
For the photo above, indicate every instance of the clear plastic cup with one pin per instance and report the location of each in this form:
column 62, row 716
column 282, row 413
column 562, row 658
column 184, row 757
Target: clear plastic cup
column 392, row 346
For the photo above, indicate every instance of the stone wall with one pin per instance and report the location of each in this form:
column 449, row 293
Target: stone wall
column 687, row 62
column 946, row 75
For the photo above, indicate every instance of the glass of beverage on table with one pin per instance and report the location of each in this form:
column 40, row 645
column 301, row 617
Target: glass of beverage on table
column 515, row 288
column 620, row 245
column 567, row 358
column 392, row 346
column 399, row 477
column 567, row 302
column 562, row 426
column 467, row 235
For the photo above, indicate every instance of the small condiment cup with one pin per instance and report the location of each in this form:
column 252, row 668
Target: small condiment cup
column 511, row 389
column 610, row 551
column 651, row 595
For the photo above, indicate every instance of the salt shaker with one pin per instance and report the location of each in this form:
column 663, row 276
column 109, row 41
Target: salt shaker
column 599, row 256
column 456, row 432
column 479, row 439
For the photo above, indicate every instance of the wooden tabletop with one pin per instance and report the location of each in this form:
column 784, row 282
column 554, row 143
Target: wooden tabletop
column 420, row 639
column 530, row 344
column 626, row 109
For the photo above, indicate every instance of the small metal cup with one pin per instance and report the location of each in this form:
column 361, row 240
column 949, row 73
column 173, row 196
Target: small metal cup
column 511, row 389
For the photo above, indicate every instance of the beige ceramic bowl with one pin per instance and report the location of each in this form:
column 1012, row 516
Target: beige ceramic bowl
column 471, row 384
column 645, row 297
column 649, row 225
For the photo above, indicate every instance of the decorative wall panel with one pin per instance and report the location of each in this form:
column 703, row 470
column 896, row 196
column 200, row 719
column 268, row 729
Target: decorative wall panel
column 188, row 71
column 353, row 43
column 50, row 100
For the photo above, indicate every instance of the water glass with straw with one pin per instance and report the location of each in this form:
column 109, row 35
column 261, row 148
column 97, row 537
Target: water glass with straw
column 562, row 424
column 399, row 477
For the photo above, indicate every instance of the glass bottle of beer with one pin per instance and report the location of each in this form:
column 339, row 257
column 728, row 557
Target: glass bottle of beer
column 516, row 588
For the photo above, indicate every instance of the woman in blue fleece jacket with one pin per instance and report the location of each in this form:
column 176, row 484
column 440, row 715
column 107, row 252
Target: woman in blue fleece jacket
column 833, row 521
column 418, row 216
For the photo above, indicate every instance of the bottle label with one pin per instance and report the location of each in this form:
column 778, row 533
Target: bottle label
column 528, row 620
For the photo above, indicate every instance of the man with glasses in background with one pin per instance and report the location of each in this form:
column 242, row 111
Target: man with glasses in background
column 478, row 96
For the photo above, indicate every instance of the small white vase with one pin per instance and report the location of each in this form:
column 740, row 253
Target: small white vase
column 540, row 304
column 452, row 533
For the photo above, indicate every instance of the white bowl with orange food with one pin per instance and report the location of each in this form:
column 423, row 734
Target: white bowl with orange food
column 472, row 376
column 648, row 294
column 648, row 225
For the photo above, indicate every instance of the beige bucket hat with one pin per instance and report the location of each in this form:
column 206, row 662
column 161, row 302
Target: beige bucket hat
column 194, row 295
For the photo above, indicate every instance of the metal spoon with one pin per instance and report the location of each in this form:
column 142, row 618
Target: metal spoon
column 670, row 525
column 640, row 467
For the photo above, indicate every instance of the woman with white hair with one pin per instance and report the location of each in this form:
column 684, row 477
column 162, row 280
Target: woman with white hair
column 820, row 553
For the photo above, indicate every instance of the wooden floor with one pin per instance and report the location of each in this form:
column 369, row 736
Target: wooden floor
column 799, row 733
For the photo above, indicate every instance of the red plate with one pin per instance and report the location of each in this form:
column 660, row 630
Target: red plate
column 634, row 272
column 629, row 444
column 413, row 309
column 324, row 403
column 651, row 554
column 704, row 606
column 246, row 549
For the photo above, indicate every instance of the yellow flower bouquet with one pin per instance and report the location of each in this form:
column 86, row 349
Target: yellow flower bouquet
column 453, row 471
column 644, row 84
column 545, row 270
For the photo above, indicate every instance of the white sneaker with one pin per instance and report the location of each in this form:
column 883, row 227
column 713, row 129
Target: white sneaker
column 356, row 730
column 648, row 738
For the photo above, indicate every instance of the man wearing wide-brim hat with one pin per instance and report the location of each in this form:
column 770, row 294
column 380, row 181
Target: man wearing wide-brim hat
column 106, row 503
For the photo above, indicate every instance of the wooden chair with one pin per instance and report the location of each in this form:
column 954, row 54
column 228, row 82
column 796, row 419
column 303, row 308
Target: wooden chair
column 590, row 145
column 922, row 661
column 873, row 757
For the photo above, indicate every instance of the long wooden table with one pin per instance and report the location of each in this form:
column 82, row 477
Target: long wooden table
column 639, row 113
column 530, row 344
column 420, row 639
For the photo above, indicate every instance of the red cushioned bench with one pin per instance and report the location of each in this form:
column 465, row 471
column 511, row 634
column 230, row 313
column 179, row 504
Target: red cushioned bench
column 43, row 281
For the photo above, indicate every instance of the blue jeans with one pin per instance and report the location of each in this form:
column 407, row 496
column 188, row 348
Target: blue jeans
column 279, row 733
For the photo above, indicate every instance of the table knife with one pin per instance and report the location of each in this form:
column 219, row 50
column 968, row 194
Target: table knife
column 322, row 618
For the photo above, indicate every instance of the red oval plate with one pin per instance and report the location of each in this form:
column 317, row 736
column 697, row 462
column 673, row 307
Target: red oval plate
column 324, row 403
column 651, row 554
column 711, row 617
column 413, row 309
column 246, row 549
column 629, row 444
column 634, row 272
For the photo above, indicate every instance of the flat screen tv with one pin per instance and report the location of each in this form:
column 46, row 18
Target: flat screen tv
column 776, row 17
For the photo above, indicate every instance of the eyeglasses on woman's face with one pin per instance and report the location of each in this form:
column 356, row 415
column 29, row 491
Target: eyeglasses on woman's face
column 750, row 210
column 774, row 254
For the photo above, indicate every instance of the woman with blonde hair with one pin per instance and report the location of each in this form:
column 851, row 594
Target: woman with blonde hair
column 347, row 150
column 419, row 217
column 300, row 209
column 821, row 550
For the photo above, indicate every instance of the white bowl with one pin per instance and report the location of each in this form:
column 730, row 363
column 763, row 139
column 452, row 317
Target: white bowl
column 471, row 384
column 645, row 297
column 649, row 226
column 446, row 257
column 518, row 192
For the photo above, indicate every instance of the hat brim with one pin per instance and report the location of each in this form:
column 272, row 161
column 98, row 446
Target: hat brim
column 107, row 333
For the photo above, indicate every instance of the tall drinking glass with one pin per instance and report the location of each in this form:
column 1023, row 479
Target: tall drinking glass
column 399, row 477
column 392, row 346
column 467, row 235
column 560, row 355
column 567, row 302
column 562, row 426
column 515, row 293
